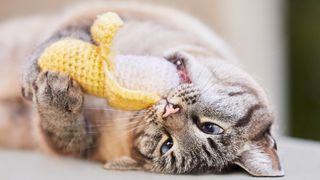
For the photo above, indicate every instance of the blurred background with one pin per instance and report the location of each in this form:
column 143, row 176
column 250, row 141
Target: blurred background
column 277, row 42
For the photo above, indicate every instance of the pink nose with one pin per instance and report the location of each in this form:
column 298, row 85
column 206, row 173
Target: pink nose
column 170, row 109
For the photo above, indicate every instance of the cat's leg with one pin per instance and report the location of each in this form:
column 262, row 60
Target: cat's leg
column 59, row 102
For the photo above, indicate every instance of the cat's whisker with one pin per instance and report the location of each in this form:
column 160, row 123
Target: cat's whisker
column 120, row 119
column 105, row 124
column 220, row 81
column 207, row 85
column 209, row 79
column 200, row 74
column 108, row 109
column 102, row 109
column 134, row 113
column 208, row 88
column 128, row 129
column 126, row 116
column 113, row 125
column 129, row 118
column 133, row 121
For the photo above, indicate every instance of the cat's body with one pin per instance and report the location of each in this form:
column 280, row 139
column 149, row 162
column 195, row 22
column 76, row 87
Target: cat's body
column 67, row 122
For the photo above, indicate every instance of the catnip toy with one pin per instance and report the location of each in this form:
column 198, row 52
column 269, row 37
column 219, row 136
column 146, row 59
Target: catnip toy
column 91, row 65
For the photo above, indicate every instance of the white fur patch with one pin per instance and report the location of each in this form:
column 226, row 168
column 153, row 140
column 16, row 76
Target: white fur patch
column 258, row 163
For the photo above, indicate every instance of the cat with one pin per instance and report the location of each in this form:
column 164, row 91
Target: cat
column 217, row 117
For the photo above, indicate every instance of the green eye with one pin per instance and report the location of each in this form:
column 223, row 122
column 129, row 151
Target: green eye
column 210, row 128
column 166, row 146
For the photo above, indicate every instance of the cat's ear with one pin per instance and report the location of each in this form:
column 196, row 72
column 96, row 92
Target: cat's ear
column 260, row 158
column 123, row 163
column 177, row 56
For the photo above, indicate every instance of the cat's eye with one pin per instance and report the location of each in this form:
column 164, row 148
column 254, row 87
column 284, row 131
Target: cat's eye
column 166, row 146
column 210, row 128
column 207, row 127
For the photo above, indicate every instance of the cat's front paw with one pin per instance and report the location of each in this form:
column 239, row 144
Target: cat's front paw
column 56, row 91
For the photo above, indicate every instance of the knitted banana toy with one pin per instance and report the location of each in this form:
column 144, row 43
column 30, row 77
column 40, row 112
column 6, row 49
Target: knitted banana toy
column 91, row 65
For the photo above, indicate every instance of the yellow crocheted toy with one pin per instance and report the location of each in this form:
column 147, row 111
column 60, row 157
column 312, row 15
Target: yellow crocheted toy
column 91, row 65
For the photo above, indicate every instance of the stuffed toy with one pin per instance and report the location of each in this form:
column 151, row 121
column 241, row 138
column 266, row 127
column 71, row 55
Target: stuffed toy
column 91, row 65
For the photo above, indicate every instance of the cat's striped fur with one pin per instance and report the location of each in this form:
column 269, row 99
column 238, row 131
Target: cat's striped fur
column 66, row 121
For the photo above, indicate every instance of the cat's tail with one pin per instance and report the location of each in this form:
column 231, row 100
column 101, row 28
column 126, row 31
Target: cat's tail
column 16, row 129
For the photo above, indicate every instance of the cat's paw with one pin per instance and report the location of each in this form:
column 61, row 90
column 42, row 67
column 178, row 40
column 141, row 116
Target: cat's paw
column 56, row 91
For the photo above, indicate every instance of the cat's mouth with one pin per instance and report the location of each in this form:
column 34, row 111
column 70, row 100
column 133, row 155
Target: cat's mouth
column 182, row 71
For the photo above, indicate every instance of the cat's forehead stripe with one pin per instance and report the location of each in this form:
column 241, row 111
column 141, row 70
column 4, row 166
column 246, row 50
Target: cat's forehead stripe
column 247, row 117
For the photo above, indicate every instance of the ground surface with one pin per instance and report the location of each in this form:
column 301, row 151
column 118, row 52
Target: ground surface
column 301, row 160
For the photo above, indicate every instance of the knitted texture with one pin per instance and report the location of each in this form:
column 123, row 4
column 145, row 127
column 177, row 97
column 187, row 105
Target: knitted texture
column 146, row 73
column 91, row 65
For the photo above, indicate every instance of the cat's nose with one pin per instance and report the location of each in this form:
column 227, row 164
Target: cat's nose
column 170, row 109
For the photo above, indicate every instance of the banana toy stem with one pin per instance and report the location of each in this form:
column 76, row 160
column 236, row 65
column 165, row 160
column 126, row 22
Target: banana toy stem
column 91, row 65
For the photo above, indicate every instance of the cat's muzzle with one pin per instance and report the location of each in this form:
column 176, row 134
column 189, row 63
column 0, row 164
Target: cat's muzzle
column 170, row 109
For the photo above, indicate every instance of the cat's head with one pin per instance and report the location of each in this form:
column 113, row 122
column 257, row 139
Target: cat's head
column 213, row 124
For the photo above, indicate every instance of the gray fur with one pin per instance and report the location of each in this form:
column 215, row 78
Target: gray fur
column 237, row 107
column 220, row 93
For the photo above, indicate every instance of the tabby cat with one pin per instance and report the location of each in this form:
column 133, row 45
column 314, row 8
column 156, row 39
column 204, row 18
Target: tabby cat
column 214, row 116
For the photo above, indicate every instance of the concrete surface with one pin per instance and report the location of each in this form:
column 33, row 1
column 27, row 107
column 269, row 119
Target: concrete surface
column 301, row 160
